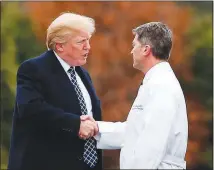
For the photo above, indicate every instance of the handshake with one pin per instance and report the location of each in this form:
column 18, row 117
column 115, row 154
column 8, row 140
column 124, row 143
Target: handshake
column 88, row 127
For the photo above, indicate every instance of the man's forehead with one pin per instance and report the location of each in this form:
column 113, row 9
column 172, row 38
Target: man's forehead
column 83, row 34
column 80, row 35
column 135, row 39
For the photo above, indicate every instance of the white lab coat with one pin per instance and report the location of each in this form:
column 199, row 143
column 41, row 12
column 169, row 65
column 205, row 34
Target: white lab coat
column 155, row 133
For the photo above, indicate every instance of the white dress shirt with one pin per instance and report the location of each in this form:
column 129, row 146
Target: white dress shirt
column 155, row 133
column 83, row 89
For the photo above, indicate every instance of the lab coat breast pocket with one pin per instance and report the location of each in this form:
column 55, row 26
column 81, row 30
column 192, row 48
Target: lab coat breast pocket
column 137, row 118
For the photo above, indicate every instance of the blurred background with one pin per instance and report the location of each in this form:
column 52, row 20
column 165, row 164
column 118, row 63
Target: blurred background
column 23, row 33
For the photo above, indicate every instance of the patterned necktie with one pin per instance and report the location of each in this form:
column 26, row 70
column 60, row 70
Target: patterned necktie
column 90, row 153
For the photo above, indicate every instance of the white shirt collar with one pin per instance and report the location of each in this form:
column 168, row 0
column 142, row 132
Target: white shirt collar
column 65, row 65
column 158, row 68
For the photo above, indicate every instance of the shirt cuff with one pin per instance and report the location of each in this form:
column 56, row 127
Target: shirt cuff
column 97, row 136
column 104, row 127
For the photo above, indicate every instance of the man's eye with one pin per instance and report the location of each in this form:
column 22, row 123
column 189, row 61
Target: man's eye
column 81, row 42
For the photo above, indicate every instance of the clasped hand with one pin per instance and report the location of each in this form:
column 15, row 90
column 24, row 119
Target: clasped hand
column 88, row 127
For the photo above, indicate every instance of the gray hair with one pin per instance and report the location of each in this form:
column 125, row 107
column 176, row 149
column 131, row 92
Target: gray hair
column 158, row 36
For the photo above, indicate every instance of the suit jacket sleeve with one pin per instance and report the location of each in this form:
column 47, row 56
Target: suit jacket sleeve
column 33, row 108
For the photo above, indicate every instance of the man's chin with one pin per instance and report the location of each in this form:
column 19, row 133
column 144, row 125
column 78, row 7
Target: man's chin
column 82, row 62
column 136, row 66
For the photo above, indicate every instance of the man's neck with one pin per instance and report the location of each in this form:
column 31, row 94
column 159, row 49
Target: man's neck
column 151, row 64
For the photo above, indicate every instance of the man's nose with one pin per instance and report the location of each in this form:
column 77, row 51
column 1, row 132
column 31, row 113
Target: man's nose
column 87, row 46
column 131, row 51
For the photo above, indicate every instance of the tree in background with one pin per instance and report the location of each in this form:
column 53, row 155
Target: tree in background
column 200, row 88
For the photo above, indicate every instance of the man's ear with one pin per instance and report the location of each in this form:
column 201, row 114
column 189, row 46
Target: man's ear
column 59, row 47
column 146, row 50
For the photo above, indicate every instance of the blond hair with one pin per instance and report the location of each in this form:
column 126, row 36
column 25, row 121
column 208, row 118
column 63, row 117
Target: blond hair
column 65, row 25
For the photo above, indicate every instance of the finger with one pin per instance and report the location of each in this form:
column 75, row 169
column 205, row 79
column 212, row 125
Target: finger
column 91, row 134
column 96, row 131
column 81, row 137
column 90, row 130
column 94, row 126
column 87, row 137
column 84, row 136
column 79, row 133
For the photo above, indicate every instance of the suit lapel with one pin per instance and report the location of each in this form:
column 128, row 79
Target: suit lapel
column 65, row 85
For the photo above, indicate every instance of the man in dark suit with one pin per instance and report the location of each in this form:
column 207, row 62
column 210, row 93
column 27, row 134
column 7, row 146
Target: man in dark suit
column 53, row 91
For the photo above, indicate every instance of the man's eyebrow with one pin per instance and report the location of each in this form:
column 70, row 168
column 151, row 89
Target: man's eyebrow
column 83, row 38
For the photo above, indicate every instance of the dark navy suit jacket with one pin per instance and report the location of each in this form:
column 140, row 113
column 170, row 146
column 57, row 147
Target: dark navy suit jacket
column 46, row 117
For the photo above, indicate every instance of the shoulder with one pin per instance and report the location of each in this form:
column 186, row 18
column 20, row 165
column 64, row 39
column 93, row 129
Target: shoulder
column 163, row 83
column 33, row 63
column 86, row 72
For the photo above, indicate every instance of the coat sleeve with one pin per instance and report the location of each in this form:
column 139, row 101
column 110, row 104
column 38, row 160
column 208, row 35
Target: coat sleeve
column 111, row 135
column 32, row 107
column 152, row 142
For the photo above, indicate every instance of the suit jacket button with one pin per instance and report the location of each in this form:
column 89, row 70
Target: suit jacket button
column 79, row 157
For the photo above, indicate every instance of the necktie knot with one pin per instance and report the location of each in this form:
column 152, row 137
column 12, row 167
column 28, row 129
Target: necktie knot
column 71, row 70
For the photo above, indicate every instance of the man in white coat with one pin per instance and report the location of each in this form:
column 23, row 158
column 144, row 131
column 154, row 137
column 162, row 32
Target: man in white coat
column 155, row 134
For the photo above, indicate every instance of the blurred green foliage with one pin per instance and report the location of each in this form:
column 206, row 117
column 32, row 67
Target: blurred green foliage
column 200, row 37
column 18, row 43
